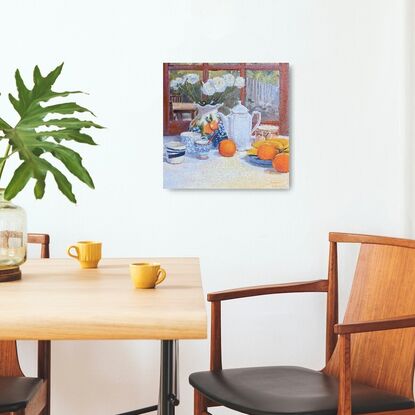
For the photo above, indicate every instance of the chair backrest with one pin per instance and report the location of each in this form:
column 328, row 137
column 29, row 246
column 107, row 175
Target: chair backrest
column 176, row 98
column 9, row 360
column 42, row 239
column 383, row 287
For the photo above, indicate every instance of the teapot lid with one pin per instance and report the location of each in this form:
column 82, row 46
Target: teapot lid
column 239, row 109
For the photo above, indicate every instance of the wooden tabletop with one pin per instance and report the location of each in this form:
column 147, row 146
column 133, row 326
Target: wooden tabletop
column 56, row 300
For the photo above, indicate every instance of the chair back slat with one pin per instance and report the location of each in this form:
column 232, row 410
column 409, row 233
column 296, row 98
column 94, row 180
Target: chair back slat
column 383, row 287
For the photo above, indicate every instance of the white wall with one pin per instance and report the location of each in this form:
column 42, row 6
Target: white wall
column 349, row 123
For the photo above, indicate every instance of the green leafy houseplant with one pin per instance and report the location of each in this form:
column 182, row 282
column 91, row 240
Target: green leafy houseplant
column 41, row 131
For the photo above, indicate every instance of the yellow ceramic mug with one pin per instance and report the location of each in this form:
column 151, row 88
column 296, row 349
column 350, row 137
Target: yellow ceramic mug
column 146, row 274
column 88, row 253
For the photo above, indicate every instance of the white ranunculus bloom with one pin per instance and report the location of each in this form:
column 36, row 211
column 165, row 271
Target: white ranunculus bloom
column 179, row 81
column 220, row 84
column 173, row 84
column 208, row 87
column 229, row 79
column 239, row 82
column 192, row 78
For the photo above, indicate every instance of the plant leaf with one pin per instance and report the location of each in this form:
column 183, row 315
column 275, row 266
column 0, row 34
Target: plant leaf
column 4, row 126
column 35, row 118
column 71, row 159
column 29, row 138
column 44, row 84
column 15, row 102
column 19, row 180
column 73, row 123
column 63, row 183
column 42, row 90
column 67, row 134
column 25, row 94
column 39, row 189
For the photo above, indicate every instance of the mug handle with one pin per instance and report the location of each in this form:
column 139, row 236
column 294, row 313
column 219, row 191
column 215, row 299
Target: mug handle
column 161, row 276
column 71, row 254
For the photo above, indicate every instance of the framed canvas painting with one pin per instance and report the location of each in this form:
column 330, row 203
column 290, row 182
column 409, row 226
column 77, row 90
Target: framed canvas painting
column 225, row 126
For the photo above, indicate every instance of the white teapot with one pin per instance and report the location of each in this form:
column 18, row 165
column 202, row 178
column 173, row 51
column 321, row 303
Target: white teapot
column 238, row 125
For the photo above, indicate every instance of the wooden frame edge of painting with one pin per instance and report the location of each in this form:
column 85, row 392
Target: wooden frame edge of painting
column 226, row 126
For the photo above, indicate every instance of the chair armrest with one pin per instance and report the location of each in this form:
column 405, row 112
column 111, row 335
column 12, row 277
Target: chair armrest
column 216, row 299
column 375, row 325
column 291, row 287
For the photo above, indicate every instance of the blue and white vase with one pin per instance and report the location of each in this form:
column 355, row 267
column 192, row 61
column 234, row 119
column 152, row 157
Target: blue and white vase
column 209, row 124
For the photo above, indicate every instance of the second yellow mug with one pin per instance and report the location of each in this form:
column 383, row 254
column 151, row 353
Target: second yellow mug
column 88, row 253
column 146, row 274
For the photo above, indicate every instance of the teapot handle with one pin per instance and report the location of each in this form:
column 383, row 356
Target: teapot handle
column 225, row 121
column 258, row 122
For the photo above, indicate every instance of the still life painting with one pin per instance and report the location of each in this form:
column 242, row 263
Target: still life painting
column 225, row 126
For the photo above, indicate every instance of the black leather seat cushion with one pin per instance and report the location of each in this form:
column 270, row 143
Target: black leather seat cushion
column 16, row 392
column 288, row 390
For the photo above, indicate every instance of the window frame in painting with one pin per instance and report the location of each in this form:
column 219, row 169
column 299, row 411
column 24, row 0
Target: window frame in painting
column 174, row 127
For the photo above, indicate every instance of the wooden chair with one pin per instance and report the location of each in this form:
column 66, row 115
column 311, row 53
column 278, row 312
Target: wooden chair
column 22, row 395
column 369, row 358
column 174, row 98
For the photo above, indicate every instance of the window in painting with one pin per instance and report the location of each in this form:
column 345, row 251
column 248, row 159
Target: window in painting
column 262, row 93
column 265, row 91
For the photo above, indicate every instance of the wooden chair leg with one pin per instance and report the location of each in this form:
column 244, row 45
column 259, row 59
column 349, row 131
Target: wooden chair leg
column 44, row 351
column 200, row 404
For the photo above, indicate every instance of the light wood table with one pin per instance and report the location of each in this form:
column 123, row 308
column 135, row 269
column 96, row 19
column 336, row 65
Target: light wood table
column 56, row 300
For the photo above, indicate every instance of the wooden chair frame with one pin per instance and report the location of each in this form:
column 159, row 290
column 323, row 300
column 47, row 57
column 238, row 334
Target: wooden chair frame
column 335, row 333
column 43, row 240
column 10, row 365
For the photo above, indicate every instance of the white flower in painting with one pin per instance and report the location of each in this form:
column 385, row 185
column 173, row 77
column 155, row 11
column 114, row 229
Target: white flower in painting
column 173, row 85
column 179, row 81
column 208, row 87
column 239, row 82
column 192, row 78
column 229, row 79
column 220, row 84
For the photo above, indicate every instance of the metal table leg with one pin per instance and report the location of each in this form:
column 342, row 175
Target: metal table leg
column 168, row 395
column 169, row 381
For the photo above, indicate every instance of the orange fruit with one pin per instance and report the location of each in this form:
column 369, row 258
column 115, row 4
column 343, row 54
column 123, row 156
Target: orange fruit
column 266, row 152
column 214, row 125
column 207, row 130
column 281, row 163
column 227, row 148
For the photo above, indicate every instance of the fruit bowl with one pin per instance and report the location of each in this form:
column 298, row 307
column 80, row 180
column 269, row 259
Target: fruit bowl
column 256, row 161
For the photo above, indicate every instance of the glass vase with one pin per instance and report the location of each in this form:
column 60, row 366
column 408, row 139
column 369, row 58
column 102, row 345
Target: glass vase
column 13, row 236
